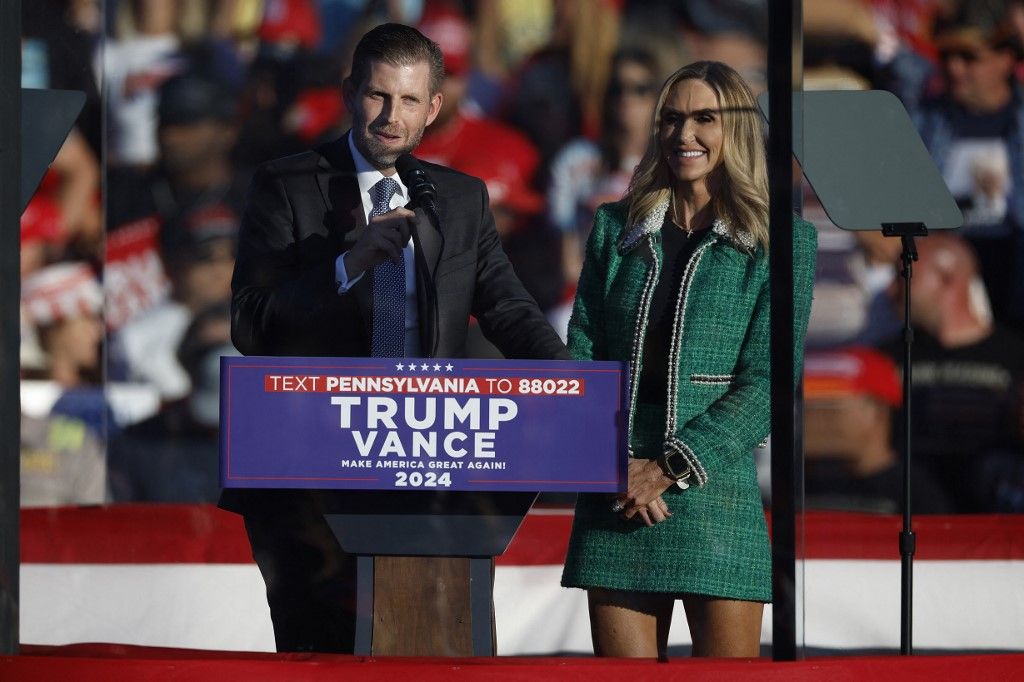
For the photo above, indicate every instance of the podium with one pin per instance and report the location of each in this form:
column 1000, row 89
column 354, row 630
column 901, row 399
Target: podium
column 424, row 567
column 423, row 471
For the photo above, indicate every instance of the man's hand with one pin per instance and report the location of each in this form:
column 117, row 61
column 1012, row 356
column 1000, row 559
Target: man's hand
column 384, row 237
column 645, row 484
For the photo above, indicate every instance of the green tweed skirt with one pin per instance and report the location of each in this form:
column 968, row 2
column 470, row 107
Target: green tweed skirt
column 715, row 543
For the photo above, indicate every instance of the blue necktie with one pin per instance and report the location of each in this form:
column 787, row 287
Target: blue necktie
column 388, row 287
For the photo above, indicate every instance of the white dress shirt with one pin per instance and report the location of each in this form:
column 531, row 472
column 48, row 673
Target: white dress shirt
column 367, row 176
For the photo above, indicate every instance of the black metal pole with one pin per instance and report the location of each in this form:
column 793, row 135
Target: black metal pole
column 908, row 541
column 784, row 61
column 10, row 291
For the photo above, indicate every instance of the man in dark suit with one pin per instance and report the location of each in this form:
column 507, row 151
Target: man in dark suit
column 325, row 267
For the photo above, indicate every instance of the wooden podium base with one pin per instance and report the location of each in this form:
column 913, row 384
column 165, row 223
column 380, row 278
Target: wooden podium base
column 425, row 569
column 425, row 606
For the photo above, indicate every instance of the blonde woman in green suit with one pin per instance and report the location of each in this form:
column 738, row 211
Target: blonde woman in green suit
column 675, row 283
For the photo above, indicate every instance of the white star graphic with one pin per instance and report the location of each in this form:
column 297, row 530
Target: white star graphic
column 424, row 366
column 449, row 367
column 400, row 367
column 437, row 368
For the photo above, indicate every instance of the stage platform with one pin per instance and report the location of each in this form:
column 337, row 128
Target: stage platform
column 104, row 663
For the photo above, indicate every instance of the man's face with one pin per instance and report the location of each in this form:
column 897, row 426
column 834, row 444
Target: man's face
column 838, row 426
column 76, row 342
column 928, row 290
column 976, row 74
column 205, row 279
column 635, row 94
column 187, row 147
column 453, row 89
column 390, row 110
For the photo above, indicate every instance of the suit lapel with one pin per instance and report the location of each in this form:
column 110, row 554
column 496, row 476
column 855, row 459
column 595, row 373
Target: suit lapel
column 429, row 243
column 336, row 178
column 429, row 240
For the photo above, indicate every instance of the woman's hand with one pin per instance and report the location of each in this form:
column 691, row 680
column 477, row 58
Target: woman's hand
column 644, row 485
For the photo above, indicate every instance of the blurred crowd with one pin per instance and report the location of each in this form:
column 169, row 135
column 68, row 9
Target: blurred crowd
column 127, row 248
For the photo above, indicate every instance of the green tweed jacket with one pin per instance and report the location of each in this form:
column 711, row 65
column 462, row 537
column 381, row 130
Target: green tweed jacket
column 716, row 412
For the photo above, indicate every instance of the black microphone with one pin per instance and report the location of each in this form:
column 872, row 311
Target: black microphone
column 421, row 190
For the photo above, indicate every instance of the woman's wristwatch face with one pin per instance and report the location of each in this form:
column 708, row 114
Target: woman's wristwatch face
column 675, row 466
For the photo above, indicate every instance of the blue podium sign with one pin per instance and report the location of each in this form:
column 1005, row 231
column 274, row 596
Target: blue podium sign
column 407, row 424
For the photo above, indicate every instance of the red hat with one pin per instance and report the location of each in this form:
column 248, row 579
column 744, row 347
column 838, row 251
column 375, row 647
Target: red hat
column 504, row 159
column 447, row 27
column 852, row 371
column 314, row 112
column 507, row 184
column 290, row 21
column 60, row 292
column 42, row 221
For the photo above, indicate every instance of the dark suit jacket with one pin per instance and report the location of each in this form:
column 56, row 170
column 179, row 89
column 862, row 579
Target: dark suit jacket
column 305, row 210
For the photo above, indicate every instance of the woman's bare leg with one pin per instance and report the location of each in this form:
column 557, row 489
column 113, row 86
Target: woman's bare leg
column 629, row 624
column 724, row 627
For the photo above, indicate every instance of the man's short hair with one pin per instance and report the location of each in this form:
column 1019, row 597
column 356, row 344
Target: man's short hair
column 399, row 45
column 975, row 25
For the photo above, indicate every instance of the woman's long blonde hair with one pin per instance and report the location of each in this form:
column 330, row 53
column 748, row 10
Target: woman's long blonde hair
column 739, row 186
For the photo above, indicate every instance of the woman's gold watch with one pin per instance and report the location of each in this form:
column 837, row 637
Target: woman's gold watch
column 675, row 466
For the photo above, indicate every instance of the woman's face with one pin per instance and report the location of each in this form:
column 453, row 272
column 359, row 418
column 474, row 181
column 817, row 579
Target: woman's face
column 691, row 133
column 635, row 94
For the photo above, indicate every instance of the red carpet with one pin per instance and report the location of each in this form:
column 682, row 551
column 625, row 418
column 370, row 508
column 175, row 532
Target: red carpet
column 103, row 662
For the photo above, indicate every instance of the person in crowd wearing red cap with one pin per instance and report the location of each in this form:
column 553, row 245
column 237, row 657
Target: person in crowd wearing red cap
column 498, row 154
column 42, row 233
column 63, row 459
column 64, row 305
column 62, row 220
column 968, row 373
column 290, row 24
column 290, row 101
column 326, row 267
column 466, row 140
column 65, row 302
column 851, row 396
column 675, row 283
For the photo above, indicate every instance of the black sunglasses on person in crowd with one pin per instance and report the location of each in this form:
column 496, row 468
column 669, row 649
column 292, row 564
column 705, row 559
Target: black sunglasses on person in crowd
column 969, row 56
column 616, row 89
